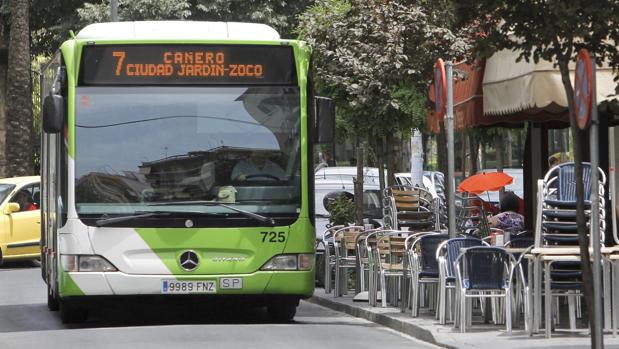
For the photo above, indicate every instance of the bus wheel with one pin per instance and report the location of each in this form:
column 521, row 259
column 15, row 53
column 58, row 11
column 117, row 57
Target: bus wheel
column 71, row 314
column 283, row 310
column 320, row 269
column 52, row 300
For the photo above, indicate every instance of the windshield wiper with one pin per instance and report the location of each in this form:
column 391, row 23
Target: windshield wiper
column 258, row 217
column 141, row 214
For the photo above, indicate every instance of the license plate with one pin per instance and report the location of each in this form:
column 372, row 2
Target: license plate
column 188, row 287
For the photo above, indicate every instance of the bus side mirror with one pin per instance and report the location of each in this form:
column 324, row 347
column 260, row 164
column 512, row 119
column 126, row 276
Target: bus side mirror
column 325, row 120
column 53, row 113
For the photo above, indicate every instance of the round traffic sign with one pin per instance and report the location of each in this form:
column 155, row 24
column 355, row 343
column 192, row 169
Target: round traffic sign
column 583, row 89
column 440, row 89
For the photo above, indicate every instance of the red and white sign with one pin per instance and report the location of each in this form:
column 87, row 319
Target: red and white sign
column 583, row 89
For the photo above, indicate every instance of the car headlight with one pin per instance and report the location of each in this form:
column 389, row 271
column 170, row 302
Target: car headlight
column 303, row 261
column 86, row 263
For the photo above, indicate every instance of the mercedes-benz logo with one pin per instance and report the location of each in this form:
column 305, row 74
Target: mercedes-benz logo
column 189, row 260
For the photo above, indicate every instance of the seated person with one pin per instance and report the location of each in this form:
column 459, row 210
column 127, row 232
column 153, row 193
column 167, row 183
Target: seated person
column 24, row 200
column 258, row 167
column 508, row 219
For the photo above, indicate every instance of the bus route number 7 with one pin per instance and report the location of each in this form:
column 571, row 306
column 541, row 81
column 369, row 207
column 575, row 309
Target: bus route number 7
column 121, row 59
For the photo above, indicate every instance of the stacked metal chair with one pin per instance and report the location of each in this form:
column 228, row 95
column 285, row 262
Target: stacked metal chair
column 556, row 227
column 471, row 217
column 410, row 208
column 559, row 204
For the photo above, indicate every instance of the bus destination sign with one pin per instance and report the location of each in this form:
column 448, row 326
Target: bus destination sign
column 187, row 65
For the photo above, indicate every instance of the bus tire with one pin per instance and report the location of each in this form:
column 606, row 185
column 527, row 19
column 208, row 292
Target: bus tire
column 52, row 300
column 71, row 313
column 1, row 259
column 283, row 310
column 320, row 269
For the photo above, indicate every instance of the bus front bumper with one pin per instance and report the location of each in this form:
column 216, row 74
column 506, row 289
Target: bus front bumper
column 299, row 283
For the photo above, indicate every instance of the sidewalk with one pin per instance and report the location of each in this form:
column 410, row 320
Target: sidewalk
column 480, row 335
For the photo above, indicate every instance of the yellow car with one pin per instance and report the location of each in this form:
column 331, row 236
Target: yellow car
column 20, row 218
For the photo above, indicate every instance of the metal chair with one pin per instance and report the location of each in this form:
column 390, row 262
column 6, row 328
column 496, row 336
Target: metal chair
column 446, row 254
column 388, row 263
column 344, row 241
column 422, row 265
column 483, row 272
column 329, row 255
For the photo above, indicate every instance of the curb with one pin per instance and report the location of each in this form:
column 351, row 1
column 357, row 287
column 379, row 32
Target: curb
column 381, row 319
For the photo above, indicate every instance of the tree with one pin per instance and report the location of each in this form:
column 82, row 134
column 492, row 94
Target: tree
column 135, row 10
column 552, row 30
column 279, row 14
column 19, row 128
column 374, row 58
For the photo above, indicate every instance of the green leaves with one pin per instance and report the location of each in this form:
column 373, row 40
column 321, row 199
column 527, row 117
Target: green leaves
column 376, row 57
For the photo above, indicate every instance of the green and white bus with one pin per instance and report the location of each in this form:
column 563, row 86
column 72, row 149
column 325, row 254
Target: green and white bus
column 177, row 162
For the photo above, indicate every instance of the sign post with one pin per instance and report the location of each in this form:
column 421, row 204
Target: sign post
column 585, row 105
column 443, row 83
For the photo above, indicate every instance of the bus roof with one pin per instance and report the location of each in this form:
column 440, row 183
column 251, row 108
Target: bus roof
column 177, row 30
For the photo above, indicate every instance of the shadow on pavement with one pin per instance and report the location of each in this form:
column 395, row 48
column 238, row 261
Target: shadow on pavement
column 7, row 265
column 36, row 317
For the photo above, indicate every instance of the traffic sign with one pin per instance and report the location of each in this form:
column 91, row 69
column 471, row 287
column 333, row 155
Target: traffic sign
column 583, row 89
column 440, row 89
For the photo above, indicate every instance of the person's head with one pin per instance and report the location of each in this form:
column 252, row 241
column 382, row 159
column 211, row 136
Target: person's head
column 510, row 202
column 259, row 157
column 553, row 161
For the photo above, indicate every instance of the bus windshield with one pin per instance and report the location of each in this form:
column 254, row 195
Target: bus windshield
column 152, row 148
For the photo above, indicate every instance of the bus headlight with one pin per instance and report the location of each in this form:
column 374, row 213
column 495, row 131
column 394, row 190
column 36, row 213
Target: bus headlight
column 86, row 263
column 302, row 261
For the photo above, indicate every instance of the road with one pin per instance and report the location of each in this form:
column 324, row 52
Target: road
column 25, row 322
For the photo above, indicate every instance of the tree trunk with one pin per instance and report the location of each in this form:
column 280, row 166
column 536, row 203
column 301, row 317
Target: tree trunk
column 583, row 238
column 359, row 187
column 508, row 149
column 391, row 159
column 3, row 72
column 380, row 158
column 474, row 150
column 19, row 132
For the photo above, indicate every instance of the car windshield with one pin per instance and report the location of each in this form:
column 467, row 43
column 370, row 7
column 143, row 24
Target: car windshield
column 161, row 148
column 5, row 189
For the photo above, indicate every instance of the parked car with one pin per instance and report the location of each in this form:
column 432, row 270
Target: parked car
column 20, row 218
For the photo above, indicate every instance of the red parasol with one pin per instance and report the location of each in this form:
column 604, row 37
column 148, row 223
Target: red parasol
column 481, row 182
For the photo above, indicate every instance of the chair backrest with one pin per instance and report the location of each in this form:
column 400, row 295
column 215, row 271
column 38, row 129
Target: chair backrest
column 563, row 178
column 454, row 247
column 426, row 248
column 346, row 238
column 485, row 267
column 408, row 203
column 472, row 215
column 523, row 242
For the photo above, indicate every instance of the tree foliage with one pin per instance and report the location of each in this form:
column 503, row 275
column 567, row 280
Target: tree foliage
column 52, row 20
column 375, row 58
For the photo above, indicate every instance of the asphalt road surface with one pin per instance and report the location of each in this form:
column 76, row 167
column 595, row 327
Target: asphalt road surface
column 25, row 322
